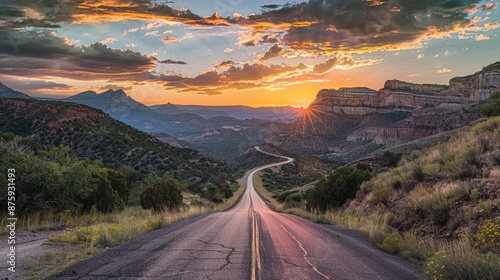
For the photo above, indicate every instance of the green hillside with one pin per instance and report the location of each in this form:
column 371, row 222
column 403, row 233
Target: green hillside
column 93, row 134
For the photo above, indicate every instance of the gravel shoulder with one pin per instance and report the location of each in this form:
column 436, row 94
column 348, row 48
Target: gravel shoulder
column 29, row 247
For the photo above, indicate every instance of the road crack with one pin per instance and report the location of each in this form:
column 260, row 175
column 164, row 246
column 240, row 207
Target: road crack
column 228, row 256
column 296, row 265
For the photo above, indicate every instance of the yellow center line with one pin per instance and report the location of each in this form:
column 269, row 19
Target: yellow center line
column 256, row 263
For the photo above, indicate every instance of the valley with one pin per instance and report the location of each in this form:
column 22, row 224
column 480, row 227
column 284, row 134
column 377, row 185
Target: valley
column 408, row 164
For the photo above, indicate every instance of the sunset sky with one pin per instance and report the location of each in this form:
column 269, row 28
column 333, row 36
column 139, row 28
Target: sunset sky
column 228, row 52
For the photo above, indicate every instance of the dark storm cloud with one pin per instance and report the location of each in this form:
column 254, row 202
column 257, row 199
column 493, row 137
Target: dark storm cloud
column 39, row 53
column 170, row 61
column 320, row 25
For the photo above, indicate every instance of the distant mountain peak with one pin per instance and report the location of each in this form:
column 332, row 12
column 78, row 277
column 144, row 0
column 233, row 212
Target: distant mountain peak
column 7, row 92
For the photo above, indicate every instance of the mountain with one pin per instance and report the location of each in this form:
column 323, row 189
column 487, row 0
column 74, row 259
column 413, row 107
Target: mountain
column 92, row 133
column 279, row 113
column 116, row 103
column 6, row 92
column 348, row 123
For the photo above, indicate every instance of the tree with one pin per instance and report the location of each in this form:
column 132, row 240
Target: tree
column 119, row 184
column 335, row 189
column 161, row 193
column 492, row 107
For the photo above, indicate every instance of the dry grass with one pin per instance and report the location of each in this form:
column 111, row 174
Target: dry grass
column 89, row 234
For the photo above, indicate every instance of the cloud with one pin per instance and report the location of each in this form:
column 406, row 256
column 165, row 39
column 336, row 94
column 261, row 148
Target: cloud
column 489, row 6
column 256, row 38
column 275, row 51
column 481, row 37
column 326, row 27
column 115, row 87
column 491, row 25
column 225, row 64
column 444, row 70
column 228, row 50
column 108, row 40
column 421, row 55
column 170, row 61
column 247, row 76
column 35, row 85
column 260, row 76
column 169, row 39
column 42, row 53
column 51, row 13
column 340, row 62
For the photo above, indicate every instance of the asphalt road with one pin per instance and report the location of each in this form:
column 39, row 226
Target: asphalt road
column 249, row 241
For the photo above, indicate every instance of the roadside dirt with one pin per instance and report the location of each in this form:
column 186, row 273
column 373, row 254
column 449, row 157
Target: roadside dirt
column 29, row 246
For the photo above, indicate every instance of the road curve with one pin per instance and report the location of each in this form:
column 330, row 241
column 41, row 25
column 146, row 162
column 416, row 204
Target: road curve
column 249, row 241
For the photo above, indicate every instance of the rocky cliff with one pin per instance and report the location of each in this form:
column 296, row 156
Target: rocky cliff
column 347, row 123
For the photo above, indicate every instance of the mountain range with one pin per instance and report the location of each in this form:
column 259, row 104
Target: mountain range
column 341, row 124
column 206, row 128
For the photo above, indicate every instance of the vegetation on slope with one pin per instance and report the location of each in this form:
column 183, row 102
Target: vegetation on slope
column 492, row 107
column 90, row 133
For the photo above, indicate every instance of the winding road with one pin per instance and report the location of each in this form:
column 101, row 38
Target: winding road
column 249, row 241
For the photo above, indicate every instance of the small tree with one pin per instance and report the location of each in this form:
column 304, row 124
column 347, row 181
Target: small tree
column 161, row 193
column 335, row 189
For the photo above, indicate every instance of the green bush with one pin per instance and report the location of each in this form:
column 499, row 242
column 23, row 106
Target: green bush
column 391, row 243
column 335, row 189
column 492, row 107
column 294, row 200
column 161, row 193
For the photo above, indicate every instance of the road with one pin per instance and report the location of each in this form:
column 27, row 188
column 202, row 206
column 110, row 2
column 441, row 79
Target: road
column 249, row 241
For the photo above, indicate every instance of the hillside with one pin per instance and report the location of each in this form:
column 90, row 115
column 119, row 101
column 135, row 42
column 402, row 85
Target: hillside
column 349, row 123
column 6, row 92
column 445, row 192
column 91, row 133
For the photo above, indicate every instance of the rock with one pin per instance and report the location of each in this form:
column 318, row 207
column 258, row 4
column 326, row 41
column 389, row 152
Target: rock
column 348, row 123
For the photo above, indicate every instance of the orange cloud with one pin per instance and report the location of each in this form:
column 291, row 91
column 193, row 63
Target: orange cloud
column 169, row 39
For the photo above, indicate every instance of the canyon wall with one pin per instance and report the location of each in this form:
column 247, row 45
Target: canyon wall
column 347, row 123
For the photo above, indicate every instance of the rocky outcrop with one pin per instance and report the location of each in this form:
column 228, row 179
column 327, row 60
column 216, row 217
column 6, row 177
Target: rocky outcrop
column 416, row 88
column 347, row 123
column 362, row 101
column 479, row 86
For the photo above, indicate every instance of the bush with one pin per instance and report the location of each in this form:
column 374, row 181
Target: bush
column 391, row 243
column 492, row 107
column 335, row 189
column 488, row 237
column 161, row 193
column 294, row 200
column 462, row 262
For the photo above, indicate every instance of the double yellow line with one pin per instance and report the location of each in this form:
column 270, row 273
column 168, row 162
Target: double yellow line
column 256, row 263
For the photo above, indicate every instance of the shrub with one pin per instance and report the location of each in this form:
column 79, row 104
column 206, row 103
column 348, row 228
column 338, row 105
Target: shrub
column 294, row 200
column 462, row 262
column 488, row 236
column 391, row 243
column 335, row 189
column 492, row 107
column 161, row 193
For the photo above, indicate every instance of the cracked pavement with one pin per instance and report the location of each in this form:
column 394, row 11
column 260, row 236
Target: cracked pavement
column 219, row 246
